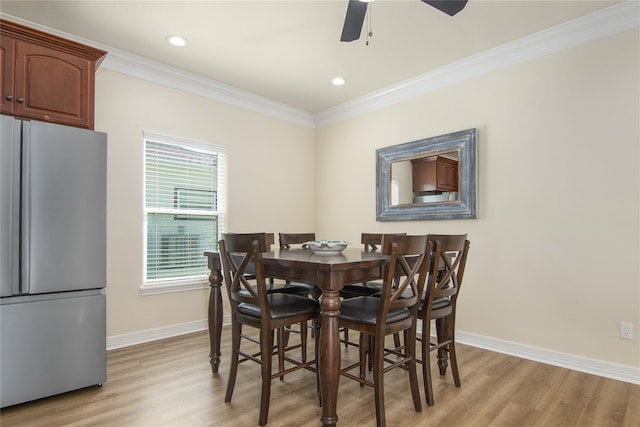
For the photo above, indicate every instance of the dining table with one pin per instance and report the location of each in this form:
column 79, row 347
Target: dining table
column 329, row 273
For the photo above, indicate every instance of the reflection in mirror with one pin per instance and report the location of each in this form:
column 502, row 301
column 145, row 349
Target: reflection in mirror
column 433, row 178
column 425, row 179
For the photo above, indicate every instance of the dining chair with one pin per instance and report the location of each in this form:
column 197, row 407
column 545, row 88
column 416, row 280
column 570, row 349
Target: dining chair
column 287, row 288
column 370, row 242
column 289, row 240
column 270, row 313
column 298, row 240
column 439, row 304
column 394, row 310
column 272, row 286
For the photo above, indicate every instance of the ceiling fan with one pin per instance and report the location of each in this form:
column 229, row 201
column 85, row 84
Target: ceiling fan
column 357, row 9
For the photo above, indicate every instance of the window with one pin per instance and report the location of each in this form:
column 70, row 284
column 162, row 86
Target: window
column 183, row 212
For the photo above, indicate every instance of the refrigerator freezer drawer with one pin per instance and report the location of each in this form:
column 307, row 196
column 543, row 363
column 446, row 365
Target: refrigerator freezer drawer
column 51, row 346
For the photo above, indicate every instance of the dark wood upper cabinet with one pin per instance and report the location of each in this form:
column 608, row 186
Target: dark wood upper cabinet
column 435, row 173
column 45, row 77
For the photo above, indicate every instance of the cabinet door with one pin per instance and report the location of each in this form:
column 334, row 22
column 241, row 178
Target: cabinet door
column 424, row 174
column 7, row 47
column 447, row 175
column 53, row 86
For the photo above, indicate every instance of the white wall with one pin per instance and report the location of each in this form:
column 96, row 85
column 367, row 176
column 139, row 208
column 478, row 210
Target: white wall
column 554, row 259
column 270, row 185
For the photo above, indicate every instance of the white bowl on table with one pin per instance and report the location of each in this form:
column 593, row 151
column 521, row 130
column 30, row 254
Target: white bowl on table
column 327, row 247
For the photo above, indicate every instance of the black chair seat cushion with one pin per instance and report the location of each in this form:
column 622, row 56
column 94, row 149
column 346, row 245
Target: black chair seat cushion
column 286, row 288
column 360, row 290
column 365, row 310
column 282, row 306
column 437, row 303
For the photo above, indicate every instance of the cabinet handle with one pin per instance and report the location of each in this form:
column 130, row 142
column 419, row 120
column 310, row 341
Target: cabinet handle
column 8, row 97
column 20, row 99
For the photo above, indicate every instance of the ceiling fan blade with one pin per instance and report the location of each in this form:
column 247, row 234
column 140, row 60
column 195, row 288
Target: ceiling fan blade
column 450, row 7
column 356, row 10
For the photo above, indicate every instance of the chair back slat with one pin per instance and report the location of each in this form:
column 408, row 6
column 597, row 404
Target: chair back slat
column 288, row 239
column 241, row 253
column 447, row 268
column 371, row 241
column 405, row 273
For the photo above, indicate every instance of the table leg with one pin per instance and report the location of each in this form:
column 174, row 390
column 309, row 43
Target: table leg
column 215, row 318
column 329, row 357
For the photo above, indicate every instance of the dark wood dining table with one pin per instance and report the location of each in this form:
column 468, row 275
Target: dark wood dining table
column 329, row 273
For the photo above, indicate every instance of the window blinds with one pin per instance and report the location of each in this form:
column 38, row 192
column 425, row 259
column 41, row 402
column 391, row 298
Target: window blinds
column 184, row 206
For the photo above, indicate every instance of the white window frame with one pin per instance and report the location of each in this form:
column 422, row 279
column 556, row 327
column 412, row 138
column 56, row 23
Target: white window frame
column 161, row 286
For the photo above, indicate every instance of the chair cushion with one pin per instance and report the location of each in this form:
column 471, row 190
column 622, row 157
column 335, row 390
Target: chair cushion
column 365, row 310
column 282, row 306
column 437, row 303
column 352, row 291
column 288, row 288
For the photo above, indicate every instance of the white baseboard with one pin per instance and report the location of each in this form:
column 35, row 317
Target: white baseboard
column 629, row 374
column 148, row 335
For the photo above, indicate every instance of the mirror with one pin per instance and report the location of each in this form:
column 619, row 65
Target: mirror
column 433, row 178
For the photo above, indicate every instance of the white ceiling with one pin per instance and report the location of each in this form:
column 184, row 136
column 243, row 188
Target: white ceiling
column 289, row 51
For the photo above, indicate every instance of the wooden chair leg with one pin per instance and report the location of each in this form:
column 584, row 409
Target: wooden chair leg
column 396, row 340
column 378, row 374
column 316, row 335
column 363, row 349
column 303, row 340
column 281, row 347
column 369, row 353
column 443, row 355
column 410, row 351
column 426, row 361
column 236, row 330
column 266, row 348
column 452, row 352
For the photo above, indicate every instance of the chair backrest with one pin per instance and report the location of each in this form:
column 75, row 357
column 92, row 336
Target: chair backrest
column 445, row 274
column 288, row 239
column 269, row 238
column 241, row 256
column 371, row 241
column 405, row 273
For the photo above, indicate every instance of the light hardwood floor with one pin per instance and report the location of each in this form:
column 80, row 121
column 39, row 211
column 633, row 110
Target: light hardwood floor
column 169, row 383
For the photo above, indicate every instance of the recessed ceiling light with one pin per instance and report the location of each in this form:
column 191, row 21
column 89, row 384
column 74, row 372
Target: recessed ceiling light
column 338, row 81
column 176, row 41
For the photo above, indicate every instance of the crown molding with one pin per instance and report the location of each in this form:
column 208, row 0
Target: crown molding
column 156, row 72
column 616, row 19
column 145, row 69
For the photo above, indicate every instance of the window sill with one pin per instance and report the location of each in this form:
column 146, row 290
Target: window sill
column 170, row 286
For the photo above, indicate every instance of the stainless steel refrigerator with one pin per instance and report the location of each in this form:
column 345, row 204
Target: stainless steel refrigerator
column 52, row 259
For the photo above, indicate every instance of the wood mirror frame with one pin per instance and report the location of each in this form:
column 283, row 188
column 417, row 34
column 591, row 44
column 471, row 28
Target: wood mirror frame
column 465, row 206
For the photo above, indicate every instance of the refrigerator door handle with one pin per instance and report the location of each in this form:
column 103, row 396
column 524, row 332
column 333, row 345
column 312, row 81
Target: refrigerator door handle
column 9, row 206
column 14, row 227
column 25, row 205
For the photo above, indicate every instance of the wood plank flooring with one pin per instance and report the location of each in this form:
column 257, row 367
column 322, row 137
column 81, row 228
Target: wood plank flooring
column 169, row 383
